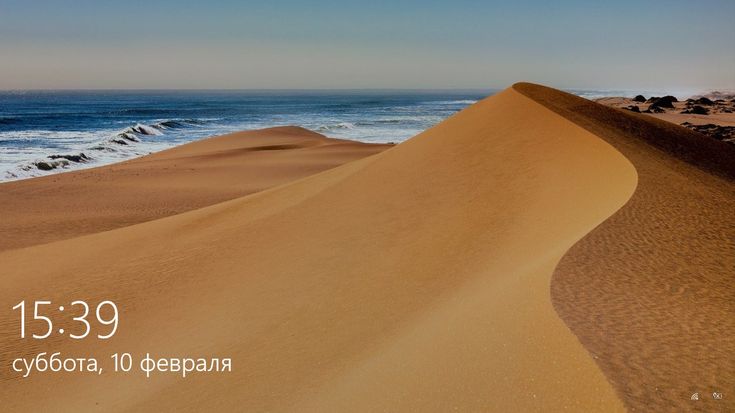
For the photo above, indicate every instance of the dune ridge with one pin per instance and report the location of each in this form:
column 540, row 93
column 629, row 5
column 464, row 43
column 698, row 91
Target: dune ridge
column 650, row 291
column 413, row 280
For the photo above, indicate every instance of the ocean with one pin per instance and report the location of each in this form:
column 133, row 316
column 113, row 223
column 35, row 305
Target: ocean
column 45, row 132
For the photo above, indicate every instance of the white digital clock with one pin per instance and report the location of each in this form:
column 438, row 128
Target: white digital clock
column 81, row 319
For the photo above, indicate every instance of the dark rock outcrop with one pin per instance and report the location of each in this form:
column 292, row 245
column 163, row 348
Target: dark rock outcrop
column 703, row 101
column 665, row 102
column 697, row 110
column 655, row 109
column 722, row 133
column 44, row 166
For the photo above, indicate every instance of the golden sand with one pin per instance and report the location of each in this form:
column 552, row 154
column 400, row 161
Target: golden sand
column 650, row 292
column 416, row 279
column 180, row 179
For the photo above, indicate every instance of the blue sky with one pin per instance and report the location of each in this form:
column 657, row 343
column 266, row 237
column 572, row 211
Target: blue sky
column 682, row 45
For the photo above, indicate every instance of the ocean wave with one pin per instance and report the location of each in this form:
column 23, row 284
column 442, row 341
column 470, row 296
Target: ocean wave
column 396, row 121
column 141, row 112
column 179, row 123
column 135, row 133
column 121, row 144
column 9, row 120
column 60, row 161
column 336, row 126
column 452, row 102
column 141, row 129
column 56, row 137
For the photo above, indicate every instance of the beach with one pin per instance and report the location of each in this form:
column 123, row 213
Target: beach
column 535, row 251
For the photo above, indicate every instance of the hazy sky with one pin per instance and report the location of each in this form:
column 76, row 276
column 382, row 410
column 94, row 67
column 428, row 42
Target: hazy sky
column 678, row 45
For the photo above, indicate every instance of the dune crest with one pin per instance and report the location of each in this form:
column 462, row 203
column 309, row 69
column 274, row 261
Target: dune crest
column 413, row 280
column 650, row 292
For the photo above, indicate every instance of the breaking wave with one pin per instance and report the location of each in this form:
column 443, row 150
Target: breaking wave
column 453, row 102
column 336, row 126
column 121, row 145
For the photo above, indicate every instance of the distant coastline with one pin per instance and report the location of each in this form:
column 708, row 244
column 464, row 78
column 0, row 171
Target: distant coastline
column 46, row 132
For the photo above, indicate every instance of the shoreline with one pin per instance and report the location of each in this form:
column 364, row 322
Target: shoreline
column 346, row 290
column 110, row 127
column 158, row 124
column 168, row 182
column 513, row 249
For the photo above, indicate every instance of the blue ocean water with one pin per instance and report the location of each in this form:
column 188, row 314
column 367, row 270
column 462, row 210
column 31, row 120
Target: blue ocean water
column 44, row 132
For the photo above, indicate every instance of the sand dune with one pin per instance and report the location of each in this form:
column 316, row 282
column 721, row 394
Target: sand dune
column 187, row 177
column 657, row 276
column 416, row 279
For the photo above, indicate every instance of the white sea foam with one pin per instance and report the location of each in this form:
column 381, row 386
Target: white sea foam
column 338, row 125
column 369, row 118
column 144, row 130
column 65, row 150
column 453, row 102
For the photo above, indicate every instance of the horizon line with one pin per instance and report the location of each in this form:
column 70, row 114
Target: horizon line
column 359, row 89
column 243, row 89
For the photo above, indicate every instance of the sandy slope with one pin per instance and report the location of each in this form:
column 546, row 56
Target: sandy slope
column 413, row 280
column 187, row 177
column 650, row 292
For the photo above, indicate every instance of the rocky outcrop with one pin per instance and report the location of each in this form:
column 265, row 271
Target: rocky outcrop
column 722, row 133
column 697, row 110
